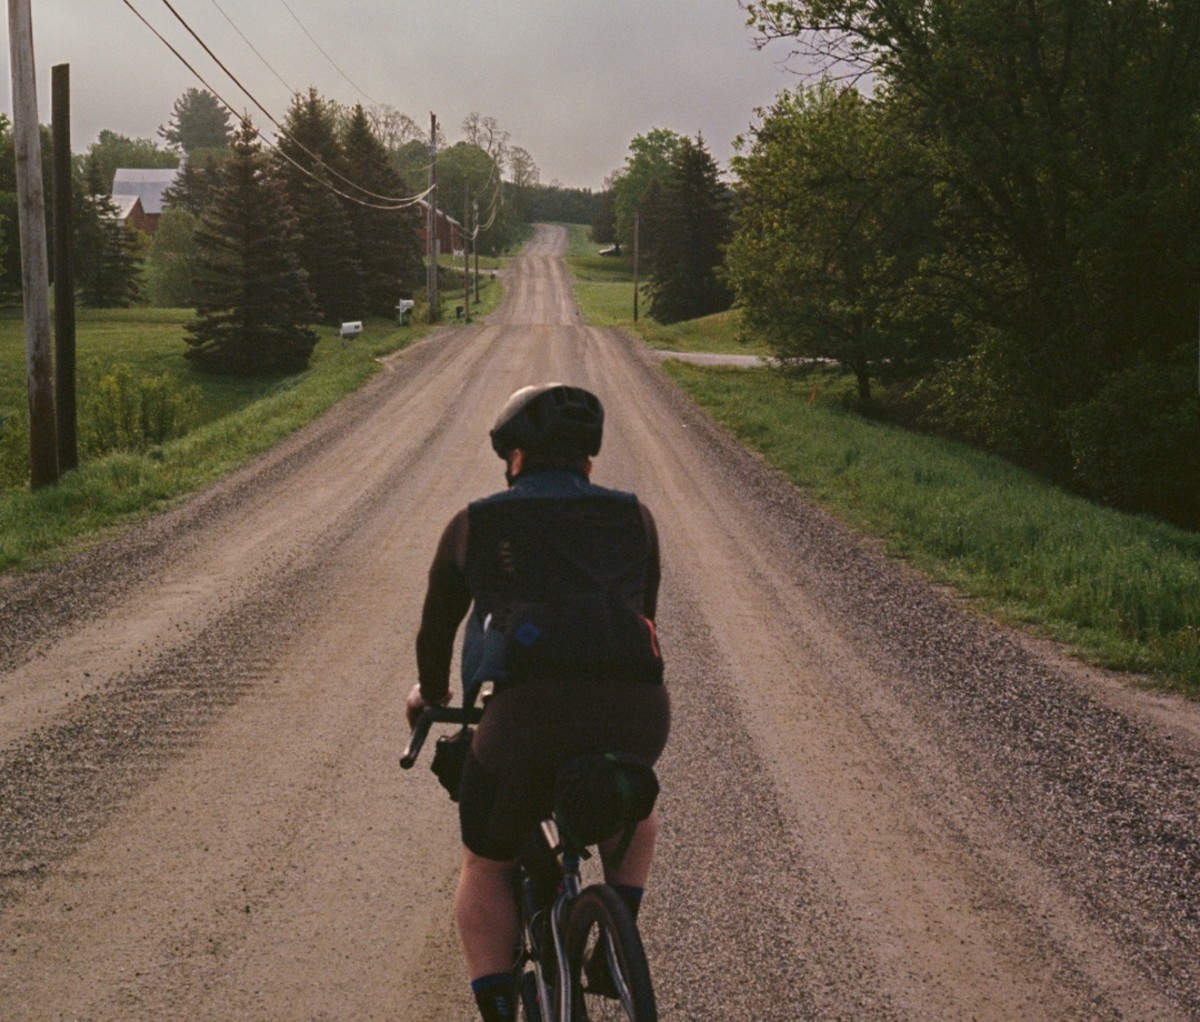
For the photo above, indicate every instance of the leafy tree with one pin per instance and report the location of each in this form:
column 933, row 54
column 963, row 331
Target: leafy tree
column 557, row 203
column 112, row 151
column 309, row 164
column 198, row 121
column 387, row 240
column 171, row 263
column 835, row 215
column 1065, row 137
column 465, row 165
column 689, row 236
column 10, row 236
column 252, row 302
column 649, row 159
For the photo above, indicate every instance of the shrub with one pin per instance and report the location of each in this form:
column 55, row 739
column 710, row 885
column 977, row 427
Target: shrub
column 124, row 412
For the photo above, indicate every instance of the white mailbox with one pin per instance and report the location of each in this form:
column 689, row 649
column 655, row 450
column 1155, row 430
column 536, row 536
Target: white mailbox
column 404, row 309
column 352, row 329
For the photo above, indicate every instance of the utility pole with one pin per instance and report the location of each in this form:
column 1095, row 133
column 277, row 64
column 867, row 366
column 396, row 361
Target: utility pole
column 475, row 243
column 35, row 282
column 637, row 218
column 431, row 279
column 64, row 274
column 466, row 252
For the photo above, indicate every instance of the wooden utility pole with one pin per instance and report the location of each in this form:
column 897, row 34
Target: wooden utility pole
column 64, row 274
column 637, row 218
column 475, row 244
column 35, row 281
column 466, row 253
column 431, row 279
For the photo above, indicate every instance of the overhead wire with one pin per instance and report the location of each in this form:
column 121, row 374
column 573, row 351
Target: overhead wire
column 278, row 76
column 393, row 201
column 296, row 17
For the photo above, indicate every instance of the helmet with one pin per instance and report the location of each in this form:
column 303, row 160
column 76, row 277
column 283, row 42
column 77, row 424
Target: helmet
column 550, row 418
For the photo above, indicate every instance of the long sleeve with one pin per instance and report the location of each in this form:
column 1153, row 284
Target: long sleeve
column 447, row 600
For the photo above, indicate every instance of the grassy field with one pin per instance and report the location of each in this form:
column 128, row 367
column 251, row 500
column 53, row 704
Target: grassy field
column 229, row 420
column 1122, row 591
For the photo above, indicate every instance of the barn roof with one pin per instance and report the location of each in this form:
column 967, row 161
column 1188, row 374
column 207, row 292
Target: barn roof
column 125, row 205
column 148, row 185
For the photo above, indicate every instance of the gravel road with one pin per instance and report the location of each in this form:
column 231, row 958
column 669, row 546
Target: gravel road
column 877, row 805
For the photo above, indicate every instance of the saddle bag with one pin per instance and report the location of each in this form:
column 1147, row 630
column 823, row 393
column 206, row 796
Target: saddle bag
column 600, row 795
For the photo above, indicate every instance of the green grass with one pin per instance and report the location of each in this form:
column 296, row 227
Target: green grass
column 604, row 291
column 1123, row 591
column 236, row 420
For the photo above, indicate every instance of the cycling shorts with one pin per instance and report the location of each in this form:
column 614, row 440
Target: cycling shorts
column 528, row 732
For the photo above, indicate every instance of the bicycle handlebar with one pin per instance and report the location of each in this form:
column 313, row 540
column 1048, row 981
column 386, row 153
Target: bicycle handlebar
column 435, row 715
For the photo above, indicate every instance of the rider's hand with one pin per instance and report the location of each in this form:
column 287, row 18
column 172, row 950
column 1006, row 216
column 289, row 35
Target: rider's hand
column 415, row 703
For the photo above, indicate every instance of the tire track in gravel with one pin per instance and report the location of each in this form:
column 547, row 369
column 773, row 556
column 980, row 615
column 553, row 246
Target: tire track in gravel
column 875, row 807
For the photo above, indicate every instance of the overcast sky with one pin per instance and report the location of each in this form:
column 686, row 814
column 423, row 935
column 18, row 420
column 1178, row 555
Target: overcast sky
column 572, row 81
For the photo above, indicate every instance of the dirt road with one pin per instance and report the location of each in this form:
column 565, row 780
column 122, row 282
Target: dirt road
column 876, row 805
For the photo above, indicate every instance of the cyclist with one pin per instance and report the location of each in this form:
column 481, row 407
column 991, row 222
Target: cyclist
column 563, row 577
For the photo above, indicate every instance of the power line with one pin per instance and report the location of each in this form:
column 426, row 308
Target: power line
column 326, row 55
column 279, row 77
column 396, row 205
column 406, row 200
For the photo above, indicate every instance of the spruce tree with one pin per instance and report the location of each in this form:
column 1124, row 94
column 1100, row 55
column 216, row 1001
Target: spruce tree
column 690, row 231
column 387, row 241
column 307, row 161
column 252, row 301
column 108, row 254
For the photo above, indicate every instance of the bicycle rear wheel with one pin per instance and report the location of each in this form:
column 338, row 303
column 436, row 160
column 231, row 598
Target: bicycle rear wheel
column 609, row 975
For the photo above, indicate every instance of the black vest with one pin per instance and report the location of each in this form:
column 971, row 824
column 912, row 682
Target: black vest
column 557, row 568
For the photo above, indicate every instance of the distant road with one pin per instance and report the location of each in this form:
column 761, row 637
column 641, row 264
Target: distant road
column 876, row 806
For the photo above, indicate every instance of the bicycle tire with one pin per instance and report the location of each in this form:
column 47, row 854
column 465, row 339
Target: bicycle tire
column 600, row 925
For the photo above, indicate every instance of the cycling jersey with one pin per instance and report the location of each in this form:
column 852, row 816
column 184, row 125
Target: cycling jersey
column 553, row 544
column 552, row 541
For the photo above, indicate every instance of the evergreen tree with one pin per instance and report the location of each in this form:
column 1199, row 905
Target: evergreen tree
column 387, row 240
column 196, row 182
column 198, row 121
column 252, row 301
column 689, row 231
column 307, row 163
column 108, row 254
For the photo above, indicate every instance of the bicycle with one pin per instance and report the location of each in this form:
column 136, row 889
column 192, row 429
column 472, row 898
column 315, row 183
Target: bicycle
column 580, row 957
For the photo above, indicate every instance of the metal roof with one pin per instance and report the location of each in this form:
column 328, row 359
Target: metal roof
column 147, row 185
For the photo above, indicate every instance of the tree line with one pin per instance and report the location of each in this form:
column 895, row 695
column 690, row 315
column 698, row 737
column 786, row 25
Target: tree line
column 335, row 246
column 985, row 212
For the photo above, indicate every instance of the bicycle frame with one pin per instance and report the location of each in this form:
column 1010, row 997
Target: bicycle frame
column 538, row 956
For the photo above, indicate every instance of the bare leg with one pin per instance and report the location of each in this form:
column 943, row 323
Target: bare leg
column 634, row 869
column 487, row 915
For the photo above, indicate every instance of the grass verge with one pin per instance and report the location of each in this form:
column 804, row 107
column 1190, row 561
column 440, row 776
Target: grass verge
column 1122, row 591
column 236, row 420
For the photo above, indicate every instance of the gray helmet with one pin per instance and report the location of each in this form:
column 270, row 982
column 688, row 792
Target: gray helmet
column 550, row 418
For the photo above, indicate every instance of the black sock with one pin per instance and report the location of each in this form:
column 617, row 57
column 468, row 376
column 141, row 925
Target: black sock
column 632, row 896
column 495, row 997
